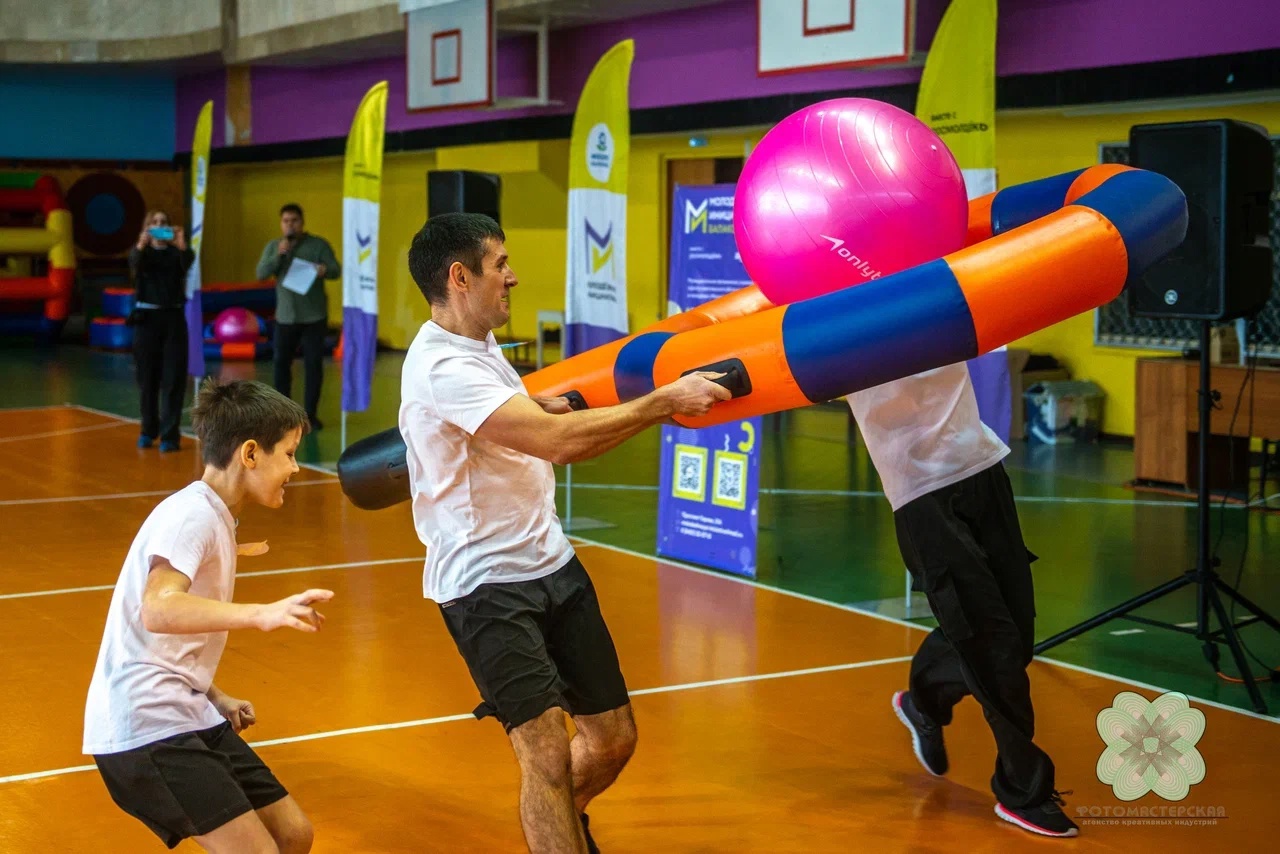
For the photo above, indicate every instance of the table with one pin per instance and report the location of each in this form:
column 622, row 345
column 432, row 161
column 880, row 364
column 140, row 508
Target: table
column 1167, row 421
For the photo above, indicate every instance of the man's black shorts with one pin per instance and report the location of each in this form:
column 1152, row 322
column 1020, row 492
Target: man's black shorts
column 189, row 784
column 537, row 645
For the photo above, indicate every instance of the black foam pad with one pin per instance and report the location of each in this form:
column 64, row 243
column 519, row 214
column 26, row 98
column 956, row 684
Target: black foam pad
column 735, row 379
column 373, row 472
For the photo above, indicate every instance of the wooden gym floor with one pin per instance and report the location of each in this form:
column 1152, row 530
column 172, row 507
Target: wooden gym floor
column 764, row 715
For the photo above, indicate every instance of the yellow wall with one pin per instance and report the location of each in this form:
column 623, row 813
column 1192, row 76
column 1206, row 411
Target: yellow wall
column 244, row 201
column 648, row 228
column 1035, row 145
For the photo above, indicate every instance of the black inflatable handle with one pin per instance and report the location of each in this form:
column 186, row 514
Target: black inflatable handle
column 373, row 471
column 735, row 376
column 374, row 474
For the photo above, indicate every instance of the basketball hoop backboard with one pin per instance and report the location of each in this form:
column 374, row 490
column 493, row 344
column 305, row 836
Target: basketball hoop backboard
column 815, row 35
column 450, row 55
column 452, row 59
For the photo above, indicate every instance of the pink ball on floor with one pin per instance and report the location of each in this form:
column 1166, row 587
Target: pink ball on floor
column 844, row 192
column 236, row 326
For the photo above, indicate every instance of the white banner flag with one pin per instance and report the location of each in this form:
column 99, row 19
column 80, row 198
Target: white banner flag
column 597, row 268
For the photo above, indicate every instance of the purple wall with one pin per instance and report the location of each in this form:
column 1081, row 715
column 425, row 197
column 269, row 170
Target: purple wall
column 1037, row 36
column 281, row 95
column 193, row 92
column 709, row 53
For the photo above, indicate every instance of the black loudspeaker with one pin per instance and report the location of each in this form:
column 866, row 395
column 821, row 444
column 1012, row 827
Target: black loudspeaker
column 1222, row 271
column 459, row 191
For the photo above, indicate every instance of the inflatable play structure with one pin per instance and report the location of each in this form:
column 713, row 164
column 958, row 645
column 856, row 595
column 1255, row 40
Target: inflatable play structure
column 238, row 334
column 237, row 320
column 851, row 219
column 38, row 252
column 110, row 331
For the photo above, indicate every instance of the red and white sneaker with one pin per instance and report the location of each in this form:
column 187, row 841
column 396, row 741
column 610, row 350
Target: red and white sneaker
column 1046, row 819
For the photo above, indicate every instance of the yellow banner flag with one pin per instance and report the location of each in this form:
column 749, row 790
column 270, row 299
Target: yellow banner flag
column 599, row 153
column 200, row 144
column 958, row 90
column 361, row 193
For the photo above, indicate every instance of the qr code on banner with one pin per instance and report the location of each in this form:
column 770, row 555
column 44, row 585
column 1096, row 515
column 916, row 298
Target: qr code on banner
column 691, row 473
column 731, row 480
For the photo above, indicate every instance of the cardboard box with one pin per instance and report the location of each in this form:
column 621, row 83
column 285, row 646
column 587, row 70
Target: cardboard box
column 1064, row 411
column 1020, row 380
column 1224, row 346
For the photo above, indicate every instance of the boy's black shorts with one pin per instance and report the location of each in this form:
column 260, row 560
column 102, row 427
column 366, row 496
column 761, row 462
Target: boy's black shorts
column 189, row 784
column 537, row 645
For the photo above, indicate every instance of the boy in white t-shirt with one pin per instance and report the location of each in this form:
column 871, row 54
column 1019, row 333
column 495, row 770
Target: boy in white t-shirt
column 958, row 531
column 164, row 737
column 514, row 596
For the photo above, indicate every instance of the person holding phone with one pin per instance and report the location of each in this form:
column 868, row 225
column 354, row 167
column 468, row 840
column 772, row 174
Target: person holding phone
column 301, row 318
column 158, row 264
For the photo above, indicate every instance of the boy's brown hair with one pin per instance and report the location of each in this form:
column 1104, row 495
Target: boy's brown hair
column 227, row 415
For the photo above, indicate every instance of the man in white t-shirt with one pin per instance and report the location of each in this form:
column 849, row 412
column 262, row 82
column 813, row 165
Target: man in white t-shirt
column 959, row 535
column 164, row 737
column 514, row 596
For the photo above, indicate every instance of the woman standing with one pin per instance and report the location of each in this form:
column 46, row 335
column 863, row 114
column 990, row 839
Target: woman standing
column 159, row 263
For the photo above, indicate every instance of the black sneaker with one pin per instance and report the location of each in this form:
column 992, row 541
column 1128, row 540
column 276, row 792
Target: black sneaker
column 1046, row 819
column 926, row 736
column 591, row 843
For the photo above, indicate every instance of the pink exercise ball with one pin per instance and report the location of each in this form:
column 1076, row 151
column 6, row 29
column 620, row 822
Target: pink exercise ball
column 844, row 192
column 236, row 326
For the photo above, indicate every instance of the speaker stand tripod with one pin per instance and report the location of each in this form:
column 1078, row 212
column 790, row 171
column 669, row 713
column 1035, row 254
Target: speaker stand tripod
column 1209, row 585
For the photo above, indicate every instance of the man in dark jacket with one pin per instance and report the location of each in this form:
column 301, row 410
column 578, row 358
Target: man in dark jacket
column 301, row 318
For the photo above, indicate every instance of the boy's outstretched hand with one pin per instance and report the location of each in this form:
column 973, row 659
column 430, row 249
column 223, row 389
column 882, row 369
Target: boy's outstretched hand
column 294, row 612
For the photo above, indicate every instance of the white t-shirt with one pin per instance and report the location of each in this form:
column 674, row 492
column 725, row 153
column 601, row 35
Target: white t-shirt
column 486, row 513
column 149, row 686
column 923, row 432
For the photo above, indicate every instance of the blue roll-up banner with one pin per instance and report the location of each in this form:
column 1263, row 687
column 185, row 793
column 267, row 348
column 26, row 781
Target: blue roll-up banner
column 708, row 505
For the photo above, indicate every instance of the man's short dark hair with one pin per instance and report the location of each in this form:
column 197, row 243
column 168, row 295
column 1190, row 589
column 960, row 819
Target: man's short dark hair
column 227, row 415
column 446, row 238
column 292, row 208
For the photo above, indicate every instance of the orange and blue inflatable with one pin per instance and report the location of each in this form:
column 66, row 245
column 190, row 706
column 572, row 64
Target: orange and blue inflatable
column 1036, row 254
column 1045, row 251
column 249, row 341
column 256, row 303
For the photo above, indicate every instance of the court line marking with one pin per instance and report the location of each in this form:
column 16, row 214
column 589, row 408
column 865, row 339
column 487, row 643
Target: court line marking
column 4, row 409
column 287, row 571
column 186, row 434
column 65, row 432
column 842, row 493
column 662, row 689
column 112, row 496
column 689, row 568
column 896, row 621
column 103, row 413
column 870, row 493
